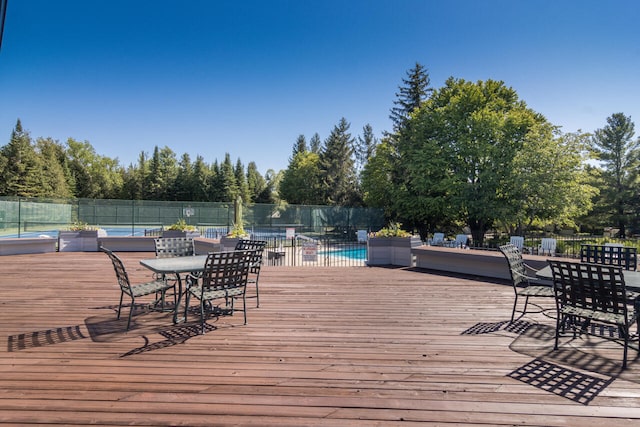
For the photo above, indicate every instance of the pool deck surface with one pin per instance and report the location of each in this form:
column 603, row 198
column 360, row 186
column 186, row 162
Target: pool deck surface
column 329, row 346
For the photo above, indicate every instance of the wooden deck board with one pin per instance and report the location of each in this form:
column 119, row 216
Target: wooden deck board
column 350, row 346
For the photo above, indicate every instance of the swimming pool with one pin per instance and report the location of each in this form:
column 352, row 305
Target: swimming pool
column 111, row 231
column 357, row 253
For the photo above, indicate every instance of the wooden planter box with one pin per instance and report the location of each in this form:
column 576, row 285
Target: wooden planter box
column 79, row 241
column 229, row 243
column 391, row 250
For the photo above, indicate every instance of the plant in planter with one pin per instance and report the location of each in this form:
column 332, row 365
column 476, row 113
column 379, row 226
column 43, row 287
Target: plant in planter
column 391, row 245
column 236, row 233
column 79, row 237
column 180, row 228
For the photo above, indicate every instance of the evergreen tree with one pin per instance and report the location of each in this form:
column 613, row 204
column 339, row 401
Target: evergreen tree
column 300, row 146
column 255, row 182
column 53, row 161
column 619, row 155
column 229, row 184
column 364, row 147
column 241, row 181
column 202, row 177
column 184, row 183
column 412, row 94
column 216, row 184
column 315, row 144
column 337, row 166
column 21, row 174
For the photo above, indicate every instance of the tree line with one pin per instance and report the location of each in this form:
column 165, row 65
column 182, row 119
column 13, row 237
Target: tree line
column 466, row 155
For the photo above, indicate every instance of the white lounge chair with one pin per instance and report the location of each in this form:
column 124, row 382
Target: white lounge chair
column 547, row 246
column 438, row 239
column 460, row 242
column 518, row 242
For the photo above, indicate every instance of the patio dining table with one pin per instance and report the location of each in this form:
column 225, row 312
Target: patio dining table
column 631, row 277
column 177, row 266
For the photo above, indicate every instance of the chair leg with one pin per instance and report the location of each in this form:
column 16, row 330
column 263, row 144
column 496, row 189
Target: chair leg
column 559, row 323
column 513, row 312
column 257, row 294
column 120, row 305
column 526, row 303
column 201, row 317
column 244, row 304
column 133, row 304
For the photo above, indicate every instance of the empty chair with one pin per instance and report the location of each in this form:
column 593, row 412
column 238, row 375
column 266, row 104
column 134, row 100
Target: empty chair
column 518, row 242
column 438, row 239
column 521, row 281
column 137, row 290
column 611, row 254
column 547, row 246
column 174, row 246
column 224, row 278
column 592, row 292
column 257, row 248
column 461, row 241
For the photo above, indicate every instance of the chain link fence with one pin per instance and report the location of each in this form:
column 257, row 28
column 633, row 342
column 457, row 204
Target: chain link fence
column 23, row 217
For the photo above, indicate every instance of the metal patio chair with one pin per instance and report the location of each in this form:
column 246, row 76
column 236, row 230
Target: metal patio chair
column 224, row 278
column 592, row 292
column 521, row 281
column 157, row 287
column 257, row 248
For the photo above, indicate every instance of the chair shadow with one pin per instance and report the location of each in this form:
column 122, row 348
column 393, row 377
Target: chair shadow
column 570, row 372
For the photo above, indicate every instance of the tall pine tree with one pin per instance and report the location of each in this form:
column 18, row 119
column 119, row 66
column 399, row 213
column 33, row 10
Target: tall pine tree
column 337, row 166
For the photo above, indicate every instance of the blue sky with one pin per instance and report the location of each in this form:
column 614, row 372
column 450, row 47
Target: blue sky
column 209, row 77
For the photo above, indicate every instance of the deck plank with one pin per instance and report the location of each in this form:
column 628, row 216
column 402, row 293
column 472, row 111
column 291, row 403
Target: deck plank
column 344, row 346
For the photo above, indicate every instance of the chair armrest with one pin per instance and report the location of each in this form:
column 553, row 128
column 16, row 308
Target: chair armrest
column 527, row 266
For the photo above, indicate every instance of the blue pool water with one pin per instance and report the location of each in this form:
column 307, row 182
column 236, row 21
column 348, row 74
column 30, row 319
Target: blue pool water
column 351, row 253
column 111, row 231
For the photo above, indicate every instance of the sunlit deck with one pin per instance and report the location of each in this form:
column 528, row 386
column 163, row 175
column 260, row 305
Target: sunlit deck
column 327, row 347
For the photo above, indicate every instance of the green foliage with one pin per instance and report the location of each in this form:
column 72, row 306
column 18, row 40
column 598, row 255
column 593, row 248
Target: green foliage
column 619, row 156
column 237, row 231
column 181, row 225
column 475, row 153
column 394, row 229
column 414, row 91
column 337, row 166
column 80, row 226
column 301, row 181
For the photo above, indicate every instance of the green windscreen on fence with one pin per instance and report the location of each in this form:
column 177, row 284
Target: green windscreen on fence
column 20, row 215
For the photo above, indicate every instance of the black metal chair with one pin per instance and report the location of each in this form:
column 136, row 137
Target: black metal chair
column 522, row 283
column 592, row 292
column 137, row 290
column 225, row 278
column 620, row 256
column 257, row 248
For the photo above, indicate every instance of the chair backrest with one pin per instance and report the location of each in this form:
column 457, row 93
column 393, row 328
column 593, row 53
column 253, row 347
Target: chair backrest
column 121, row 272
column 225, row 270
column 589, row 286
column 610, row 254
column 168, row 247
column 461, row 240
column 548, row 246
column 517, row 241
column 257, row 249
column 517, row 268
column 438, row 239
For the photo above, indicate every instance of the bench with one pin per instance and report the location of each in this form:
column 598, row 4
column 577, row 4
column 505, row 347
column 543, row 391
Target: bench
column 592, row 292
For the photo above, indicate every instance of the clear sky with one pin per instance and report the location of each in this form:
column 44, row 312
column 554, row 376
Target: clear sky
column 244, row 77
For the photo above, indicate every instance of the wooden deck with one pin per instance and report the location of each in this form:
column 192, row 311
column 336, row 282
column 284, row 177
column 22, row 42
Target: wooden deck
column 359, row 346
